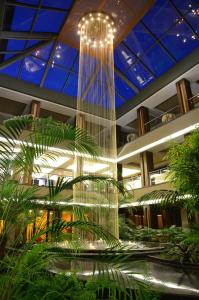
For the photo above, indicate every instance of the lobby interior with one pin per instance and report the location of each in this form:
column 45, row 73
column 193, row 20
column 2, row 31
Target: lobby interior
column 136, row 94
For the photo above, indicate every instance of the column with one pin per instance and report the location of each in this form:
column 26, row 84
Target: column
column 146, row 216
column 146, row 164
column 119, row 172
column 184, row 94
column 143, row 118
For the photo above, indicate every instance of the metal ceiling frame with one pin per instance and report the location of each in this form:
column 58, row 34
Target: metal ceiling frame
column 23, row 35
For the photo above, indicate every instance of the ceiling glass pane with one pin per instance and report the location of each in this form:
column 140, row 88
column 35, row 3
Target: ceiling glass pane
column 157, row 60
column 7, row 56
column 139, row 75
column 64, row 55
column 123, row 89
column 12, row 70
column 139, row 39
column 193, row 18
column 43, row 52
column 123, row 58
column 55, row 78
column 22, row 18
column 71, row 86
column 160, row 17
column 32, row 43
column 118, row 100
column 65, row 4
column 33, row 2
column 49, row 21
column 76, row 65
column 15, row 45
column 186, row 5
column 32, row 69
column 180, row 40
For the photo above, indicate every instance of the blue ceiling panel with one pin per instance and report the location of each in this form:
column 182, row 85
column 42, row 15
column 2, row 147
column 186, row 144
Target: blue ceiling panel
column 12, row 70
column 193, row 18
column 71, row 86
column 49, row 21
column 119, row 101
column 22, row 18
column 32, row 69
column 44, row 52
column 186, row 5
column 157, row 60
column 64, row 4
column 15, row 45
column 139, row 76
column 64, row 55
column 33, row 2
column 124, row 58
column 160, row 17
column 55, row 78
column 123, row 89
column 139, row 39
column 180, row 40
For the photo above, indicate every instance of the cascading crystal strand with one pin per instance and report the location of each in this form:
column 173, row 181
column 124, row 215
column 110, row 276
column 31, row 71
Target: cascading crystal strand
column 96, row 115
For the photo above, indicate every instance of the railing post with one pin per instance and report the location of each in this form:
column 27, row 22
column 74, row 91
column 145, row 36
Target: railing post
column 184, row 94
column 143, row 118
column 146, row 164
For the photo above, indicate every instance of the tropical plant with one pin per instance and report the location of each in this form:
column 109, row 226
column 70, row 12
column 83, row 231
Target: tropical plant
column 24, row 271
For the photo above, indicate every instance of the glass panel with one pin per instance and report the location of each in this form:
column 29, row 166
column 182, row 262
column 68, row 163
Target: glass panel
column 33, row 2
column 15, row 45
column 65, row 4
column 118, row 100
column 55, row 78
column 49, row 21
column 12, row 70
column 76, row 65
column 139, row 39
column 185, row 5
column 22, row 18
column 157, row 60
column 139, row 76
column 43, row 52
column 180, row 40
column 123, row 58
column 123, row 89
column 64, row 55
column 160, row 17
column 32, row 69
column 193, row 18
column 71, row 86
column 7, row 56
column 31, row 43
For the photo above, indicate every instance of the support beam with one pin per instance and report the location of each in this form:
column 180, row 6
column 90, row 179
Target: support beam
column 143, row 120
column 23, row 35
column 22, row 55
column 26, row 5
column 146, row 164
column 184, row 94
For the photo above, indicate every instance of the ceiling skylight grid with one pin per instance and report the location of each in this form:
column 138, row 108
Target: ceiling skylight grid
column 166, row 34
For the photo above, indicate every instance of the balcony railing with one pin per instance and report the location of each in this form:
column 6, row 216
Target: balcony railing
column 164, row 118
column 158, row 176
column 194, row 101
column 132, row 183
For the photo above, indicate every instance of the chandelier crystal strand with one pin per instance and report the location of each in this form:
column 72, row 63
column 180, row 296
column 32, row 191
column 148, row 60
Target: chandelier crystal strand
column 96, row 115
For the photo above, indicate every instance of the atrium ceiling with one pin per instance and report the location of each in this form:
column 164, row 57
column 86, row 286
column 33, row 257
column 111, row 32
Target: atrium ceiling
column 30, row 50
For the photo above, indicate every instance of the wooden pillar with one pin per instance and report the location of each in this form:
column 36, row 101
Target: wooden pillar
column 146, row 164
column 184, row 218
column 35, row 108
column 119, row 172
column 146, row 216
column 143, row 118
column 184, row 94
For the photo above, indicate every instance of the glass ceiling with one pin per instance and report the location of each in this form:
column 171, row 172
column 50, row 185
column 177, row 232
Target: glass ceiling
column 166, row 34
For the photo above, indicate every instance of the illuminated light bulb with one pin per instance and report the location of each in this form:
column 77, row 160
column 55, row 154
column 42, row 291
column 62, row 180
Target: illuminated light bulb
column 107, row 17
column 99, row 14
column 79, row 32
column 184, row 40
column 193, row 37
column 92, row 19
column 177, row 34
column 79, row 25
column 90, row 15
column 83, row 19
column 104, row 21
column 114, row 30
column 87, row 22
column 112, row 23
